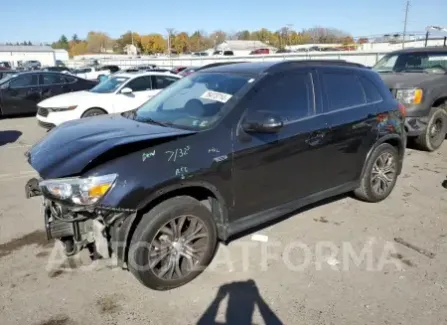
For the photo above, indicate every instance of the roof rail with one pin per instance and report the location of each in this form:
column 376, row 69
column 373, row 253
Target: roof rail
column 337, row 62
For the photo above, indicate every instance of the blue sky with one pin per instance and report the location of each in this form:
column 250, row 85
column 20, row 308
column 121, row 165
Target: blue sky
column 46, row 20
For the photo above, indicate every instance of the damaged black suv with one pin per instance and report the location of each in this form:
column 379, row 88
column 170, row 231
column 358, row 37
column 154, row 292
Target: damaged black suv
column 216, row 153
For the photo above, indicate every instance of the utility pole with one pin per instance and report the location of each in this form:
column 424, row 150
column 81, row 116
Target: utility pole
column 407, row 8
column 169, row 30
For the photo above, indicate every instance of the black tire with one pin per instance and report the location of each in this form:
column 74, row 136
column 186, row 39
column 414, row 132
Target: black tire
column 94, row 112
column 147, row 233
column 434, row 135
column 367, row 191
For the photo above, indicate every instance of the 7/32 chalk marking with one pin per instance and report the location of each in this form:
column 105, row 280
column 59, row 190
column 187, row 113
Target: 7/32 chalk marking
column 177, row 153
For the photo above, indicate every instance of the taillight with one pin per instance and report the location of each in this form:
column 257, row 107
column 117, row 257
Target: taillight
column 402, row 109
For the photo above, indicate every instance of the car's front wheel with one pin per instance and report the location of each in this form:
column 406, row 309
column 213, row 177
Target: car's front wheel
column 93, row 112
column 173, row 243
column 380, row 175
column 434, row 135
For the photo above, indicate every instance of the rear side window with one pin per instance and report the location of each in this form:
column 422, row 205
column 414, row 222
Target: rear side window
column 288, row 95
column 52, row 79
column 371, row 92
column 343, row 90
column 160, row 82
column 140, row 84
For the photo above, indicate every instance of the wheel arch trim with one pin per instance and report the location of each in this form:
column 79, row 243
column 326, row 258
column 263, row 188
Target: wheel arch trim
column 382, row 140
column 130, row 223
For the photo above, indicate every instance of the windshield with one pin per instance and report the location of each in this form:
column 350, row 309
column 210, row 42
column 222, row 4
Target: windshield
column 412, row 62
column 109, row 85
column 6, row 76
column 195, row 102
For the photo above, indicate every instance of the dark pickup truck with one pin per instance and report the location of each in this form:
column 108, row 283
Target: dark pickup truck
column 418, row 79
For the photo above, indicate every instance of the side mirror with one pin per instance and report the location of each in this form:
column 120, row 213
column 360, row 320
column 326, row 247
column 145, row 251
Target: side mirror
column 262, row 123
column 126, row 91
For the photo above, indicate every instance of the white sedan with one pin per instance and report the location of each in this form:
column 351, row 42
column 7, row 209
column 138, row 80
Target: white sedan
column 119, row 93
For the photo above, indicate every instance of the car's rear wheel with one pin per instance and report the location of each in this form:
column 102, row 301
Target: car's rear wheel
column 94, row 112
column 380, row 174
column 173, row 243
column 434, row 135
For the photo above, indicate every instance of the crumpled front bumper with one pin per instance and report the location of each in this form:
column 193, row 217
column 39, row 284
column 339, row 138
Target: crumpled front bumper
column 86, row 228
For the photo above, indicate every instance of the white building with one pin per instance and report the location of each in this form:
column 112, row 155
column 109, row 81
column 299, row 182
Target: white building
column 61, row 54
column 130, row 49
column 243, row 47
column 15, row 53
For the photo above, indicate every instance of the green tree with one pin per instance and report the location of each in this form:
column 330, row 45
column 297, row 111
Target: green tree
column 62, row 43
column 243, row 35
column 75, row 38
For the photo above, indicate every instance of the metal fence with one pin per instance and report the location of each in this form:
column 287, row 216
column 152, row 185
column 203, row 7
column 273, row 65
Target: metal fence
column 365, row 58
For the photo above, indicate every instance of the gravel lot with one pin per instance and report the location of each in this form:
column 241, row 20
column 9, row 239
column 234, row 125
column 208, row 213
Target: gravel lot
column 310, row 271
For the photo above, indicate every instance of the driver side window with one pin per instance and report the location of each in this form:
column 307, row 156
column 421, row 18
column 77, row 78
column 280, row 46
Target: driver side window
column 27, row 80
column 287, row 95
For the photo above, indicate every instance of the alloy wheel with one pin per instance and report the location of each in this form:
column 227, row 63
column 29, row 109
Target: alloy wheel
column 383, row 173
column 178, row 247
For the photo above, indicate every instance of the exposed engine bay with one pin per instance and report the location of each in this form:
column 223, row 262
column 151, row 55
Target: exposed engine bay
column 77, row 229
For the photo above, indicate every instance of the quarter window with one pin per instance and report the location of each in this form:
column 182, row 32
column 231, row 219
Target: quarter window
column 160, row 82
column 372, row 93
column 289, row 95
column 69, row 80
column 52, row 79
column 343, row 90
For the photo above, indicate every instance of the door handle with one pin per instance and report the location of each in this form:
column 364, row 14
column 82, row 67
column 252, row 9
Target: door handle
column 315, row 138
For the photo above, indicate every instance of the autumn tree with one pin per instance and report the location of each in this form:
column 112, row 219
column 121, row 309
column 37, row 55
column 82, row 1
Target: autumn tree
column 78, row 48
column 217, row 37
column 126, row 39
column 98, row 42
column 153, row 43
column 180, row 42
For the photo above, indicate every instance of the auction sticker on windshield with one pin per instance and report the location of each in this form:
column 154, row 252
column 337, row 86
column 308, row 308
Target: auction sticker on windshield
column 216, row 96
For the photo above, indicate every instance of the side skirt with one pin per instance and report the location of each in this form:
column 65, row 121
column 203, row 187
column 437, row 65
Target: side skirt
column 262, row 217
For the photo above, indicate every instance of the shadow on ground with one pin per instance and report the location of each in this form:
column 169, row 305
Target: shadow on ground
column 243, row 297
column 9, row 136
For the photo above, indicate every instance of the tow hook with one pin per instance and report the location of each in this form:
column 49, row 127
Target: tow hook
column 32, row 188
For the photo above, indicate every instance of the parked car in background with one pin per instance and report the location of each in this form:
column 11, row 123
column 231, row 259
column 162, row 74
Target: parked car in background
column 223, row 53
column 110, row 67
column 91, row 73
column 32, row 65
column 217, row 153
column 5, row 73
column 177, row 69
column 119, row 93
column 417, row 77
column 20, row 93
column 191, row 70
column 4, row 65
column 62, row 69
column 59, row 63
column 260, row 51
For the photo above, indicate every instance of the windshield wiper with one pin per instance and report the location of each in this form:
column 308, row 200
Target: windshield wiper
column 152, row 121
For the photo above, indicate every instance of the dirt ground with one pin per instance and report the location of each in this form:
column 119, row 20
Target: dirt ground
column 339, row 262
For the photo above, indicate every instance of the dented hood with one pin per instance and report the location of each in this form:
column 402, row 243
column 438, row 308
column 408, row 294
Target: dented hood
column 68, row 149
